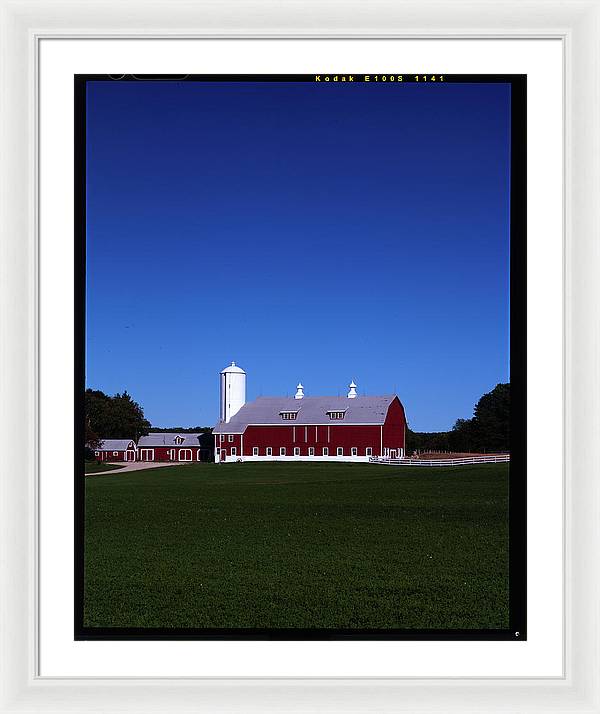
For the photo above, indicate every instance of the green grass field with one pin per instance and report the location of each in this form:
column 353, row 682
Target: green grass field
column 298, row 546
column 93, row 467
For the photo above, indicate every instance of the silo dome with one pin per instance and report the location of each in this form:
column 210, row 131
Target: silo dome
column 233, row 368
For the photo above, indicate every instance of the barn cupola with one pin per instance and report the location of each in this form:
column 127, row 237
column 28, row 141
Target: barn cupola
column 233, row 391
column 352, row 393
column 299, row 391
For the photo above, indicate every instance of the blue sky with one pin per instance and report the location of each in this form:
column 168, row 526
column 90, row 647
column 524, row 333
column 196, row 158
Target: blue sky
column 312, row 232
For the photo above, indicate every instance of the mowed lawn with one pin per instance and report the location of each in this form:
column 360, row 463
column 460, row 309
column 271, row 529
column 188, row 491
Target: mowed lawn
column 93, row 467
column 298, row 546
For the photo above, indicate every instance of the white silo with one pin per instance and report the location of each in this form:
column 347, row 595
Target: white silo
column 233, row 391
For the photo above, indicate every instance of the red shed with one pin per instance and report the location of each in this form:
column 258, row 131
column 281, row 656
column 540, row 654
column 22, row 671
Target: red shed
column 116, row 450
column 352, row 428
column 170, row 446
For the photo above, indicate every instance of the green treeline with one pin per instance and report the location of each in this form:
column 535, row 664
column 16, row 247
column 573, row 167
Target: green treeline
column 487, row 431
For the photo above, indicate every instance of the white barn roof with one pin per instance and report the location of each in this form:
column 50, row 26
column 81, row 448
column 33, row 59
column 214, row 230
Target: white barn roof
column 310, row 410
column 166, row 438
column 116, row 444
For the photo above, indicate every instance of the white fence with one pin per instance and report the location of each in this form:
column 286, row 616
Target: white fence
column 485, row 459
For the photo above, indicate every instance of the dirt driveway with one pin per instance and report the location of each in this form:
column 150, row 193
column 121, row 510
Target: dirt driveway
column 135, row 466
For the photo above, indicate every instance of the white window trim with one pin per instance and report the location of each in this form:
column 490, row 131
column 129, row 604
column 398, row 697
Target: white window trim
column 233, row 450
column 336, row 411
column 255, row 451
column 282, row 451
column 230, row 437
column 354, row 451
column 369, row 451
column 115, row 453
column 340, row 451
column 296, row 451
column 269, row 451
column 325, row 451
column 311, row 450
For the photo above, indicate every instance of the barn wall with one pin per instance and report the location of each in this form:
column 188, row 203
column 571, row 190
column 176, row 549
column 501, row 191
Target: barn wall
column 304, row 437
column 105, row 455
column 226, row 445
column 162, row 453
column 394, row 427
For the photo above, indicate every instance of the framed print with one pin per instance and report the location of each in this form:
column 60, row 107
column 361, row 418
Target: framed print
column 46, row 666
column 540, row 650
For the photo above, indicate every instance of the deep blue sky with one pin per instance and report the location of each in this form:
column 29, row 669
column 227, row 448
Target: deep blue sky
column 313, row 232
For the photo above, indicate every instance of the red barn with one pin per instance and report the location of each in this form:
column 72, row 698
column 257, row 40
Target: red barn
column 169, row 446
column 352, row 428
column 116, row 450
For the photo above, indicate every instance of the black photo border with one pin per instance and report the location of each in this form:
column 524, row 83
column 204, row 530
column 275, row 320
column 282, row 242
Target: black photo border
column 517, row 630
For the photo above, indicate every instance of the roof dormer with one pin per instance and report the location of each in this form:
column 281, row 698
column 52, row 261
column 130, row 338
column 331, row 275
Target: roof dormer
column 289, row 414
column 336, row 414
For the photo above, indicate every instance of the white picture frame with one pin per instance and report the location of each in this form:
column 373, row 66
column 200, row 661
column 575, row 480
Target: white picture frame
column 23, row 25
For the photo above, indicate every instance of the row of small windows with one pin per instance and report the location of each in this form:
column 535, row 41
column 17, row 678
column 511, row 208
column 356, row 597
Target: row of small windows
column 311, row 451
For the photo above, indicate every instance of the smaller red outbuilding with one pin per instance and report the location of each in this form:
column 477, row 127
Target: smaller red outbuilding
column 170, row 446
column 116, row 450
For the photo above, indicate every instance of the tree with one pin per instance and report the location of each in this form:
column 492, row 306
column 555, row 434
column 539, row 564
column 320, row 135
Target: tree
column 130, row 416
column 461, row 437
column 491, row 419
column 92, row 441
column 117, row 417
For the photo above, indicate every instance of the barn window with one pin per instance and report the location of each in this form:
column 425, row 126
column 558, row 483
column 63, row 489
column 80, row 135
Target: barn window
column 115, row 453
column 222, row 439
column 340, row 451
column 296, row 451
column 282, row 451
column 269, row 451
column 336, row 415
column 233, row 451
column 325, row 451
column 255, row 451
column 229, row 437
column 179, row 440
column 311, row 450
column 96, row 453
column 288, row 415
column 369, row 451
column 354, row 451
